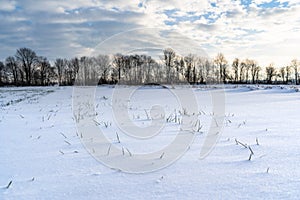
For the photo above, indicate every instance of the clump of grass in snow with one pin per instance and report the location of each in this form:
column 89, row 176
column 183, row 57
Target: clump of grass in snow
column 118, row 138
column 8, row 185
column 63, row 135
column 257, row 143
column 97, row 123
column 217, row 125
column 106, row 124
column 251, row 153
column 185, row 112
column 130, row 154
column 162, row 155
column 108, row 151
column 247, row 147
column 169, row 119
column 244, row 123
column 198, row 125
column 147, row 115
column 160, row 179
column 238, row 142
column 123, row 152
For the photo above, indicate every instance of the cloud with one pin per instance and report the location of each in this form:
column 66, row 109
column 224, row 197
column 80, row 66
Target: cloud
column 7, row 5
column 265, row 30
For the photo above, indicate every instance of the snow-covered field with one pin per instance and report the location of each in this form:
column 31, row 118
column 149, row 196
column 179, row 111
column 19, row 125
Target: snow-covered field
column 42, row 157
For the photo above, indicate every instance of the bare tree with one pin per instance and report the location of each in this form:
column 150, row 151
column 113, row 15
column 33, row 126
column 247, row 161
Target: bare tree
column 235, row 67
column 210, row 71
column 288, row 72
column 118, row 64
column 282, row 73
column 203, row 69
column 242, row 71
column 253, row 69
column 190, row 72
column 12, row 66
column 169, row 59
column 295, row 64
column 257, row 70
column 60, row 65
column 26, row 68
column 194, row 72
column 26, row 57
column 149, row 63
column 41, row 66
column 221, row 62
column 247, row 69
column 180, row 68
column 44, row 71
column 103, row 61
column 270, row 72
column 1, row 72
column 88, row 71
column 71, row 70
column 134, row 62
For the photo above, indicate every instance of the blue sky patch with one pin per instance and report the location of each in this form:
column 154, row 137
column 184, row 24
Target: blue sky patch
column 274, row 4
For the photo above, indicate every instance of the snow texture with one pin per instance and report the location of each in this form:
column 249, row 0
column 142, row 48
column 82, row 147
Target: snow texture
column 42, row 157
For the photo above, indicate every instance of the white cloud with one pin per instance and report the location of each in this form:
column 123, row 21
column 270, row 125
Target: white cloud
column 7, row 5
column 66, row 28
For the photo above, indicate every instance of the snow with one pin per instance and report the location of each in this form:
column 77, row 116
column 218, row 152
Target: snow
column 42, row 154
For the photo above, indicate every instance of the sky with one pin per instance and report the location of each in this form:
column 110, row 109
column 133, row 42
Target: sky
column 267, row 31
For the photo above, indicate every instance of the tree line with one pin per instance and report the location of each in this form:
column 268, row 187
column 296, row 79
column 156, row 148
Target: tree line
column 26, row 68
